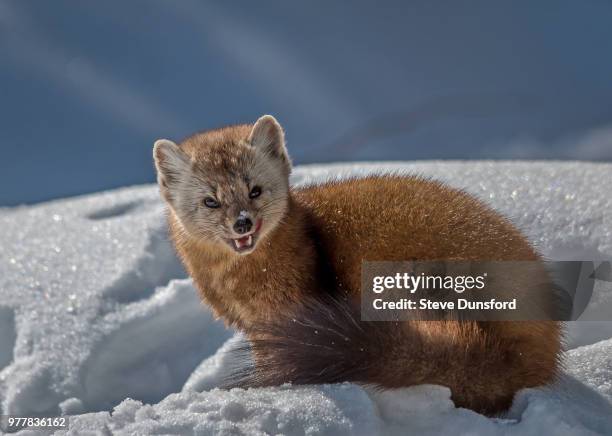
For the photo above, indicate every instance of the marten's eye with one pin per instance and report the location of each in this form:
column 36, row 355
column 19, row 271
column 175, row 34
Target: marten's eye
column 255, row 192
column 211, row 202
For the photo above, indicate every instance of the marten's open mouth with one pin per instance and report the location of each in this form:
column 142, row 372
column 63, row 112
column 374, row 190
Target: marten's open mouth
column 247, row 242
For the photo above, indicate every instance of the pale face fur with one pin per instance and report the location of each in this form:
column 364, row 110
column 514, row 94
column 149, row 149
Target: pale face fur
column 223, row 168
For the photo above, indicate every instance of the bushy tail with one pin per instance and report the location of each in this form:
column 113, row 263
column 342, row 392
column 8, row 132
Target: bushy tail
column 326, row 342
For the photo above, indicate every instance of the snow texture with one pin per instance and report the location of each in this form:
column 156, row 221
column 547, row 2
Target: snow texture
column 99, row 321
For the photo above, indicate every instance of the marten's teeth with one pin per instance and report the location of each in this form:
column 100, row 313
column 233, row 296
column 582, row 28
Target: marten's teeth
column 247, row 241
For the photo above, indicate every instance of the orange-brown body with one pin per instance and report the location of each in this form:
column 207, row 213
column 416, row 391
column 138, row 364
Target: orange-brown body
column 317, row 249
column 393, row 219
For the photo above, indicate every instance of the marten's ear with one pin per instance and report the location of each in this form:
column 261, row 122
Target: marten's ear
column 268, row 135
column 171, row 163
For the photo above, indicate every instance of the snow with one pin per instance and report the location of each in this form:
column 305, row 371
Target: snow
column 99, row 321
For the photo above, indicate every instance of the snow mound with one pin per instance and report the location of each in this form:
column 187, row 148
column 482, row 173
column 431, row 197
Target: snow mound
column 98, row 319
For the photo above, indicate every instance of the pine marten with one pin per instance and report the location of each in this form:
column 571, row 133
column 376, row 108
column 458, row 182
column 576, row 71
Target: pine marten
column 284, row 265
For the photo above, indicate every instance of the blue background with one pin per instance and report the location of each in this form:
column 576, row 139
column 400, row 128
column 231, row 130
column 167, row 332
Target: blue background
column 87, row 86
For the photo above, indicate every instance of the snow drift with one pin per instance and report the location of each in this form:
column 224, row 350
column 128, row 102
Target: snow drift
column 99, row 321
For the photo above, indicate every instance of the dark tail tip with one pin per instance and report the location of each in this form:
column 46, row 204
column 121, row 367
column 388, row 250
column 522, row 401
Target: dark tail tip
column 325, row 341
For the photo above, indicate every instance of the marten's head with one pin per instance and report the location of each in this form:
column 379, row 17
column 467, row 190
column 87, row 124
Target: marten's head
column 227, row 186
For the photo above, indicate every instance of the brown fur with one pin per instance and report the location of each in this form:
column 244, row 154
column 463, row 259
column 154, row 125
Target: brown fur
column 316, row 250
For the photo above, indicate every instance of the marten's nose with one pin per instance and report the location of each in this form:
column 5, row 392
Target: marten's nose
column 243, row 225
